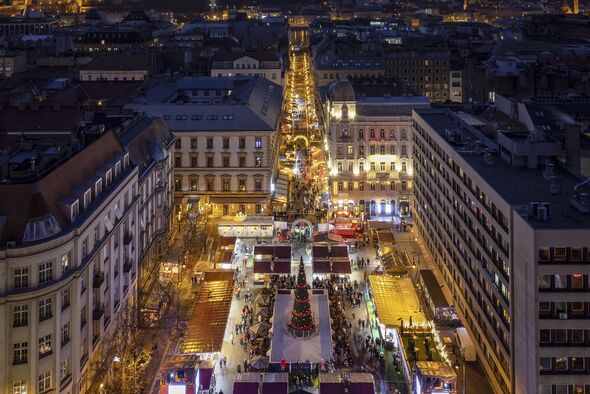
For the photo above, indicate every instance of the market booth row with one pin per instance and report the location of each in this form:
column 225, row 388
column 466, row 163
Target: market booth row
column 271, row 260
column 187, row 374
column 437, row 303
column 261, row 383
column 330, row 259
column 404, row 326
column 351, row 383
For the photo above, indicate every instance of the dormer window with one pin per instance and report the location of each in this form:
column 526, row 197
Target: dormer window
column 109, row 178
column 41, row 229
column 117, row 169
column 87, row 198
column 126, row 160
column 74, row 211
column 98, row 188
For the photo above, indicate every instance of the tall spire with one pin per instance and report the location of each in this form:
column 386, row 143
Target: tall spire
column 301, row 318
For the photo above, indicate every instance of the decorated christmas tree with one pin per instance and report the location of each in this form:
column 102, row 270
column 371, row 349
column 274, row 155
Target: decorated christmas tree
column 301, row 318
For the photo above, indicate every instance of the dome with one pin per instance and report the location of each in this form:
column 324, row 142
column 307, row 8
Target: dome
column 341, row 90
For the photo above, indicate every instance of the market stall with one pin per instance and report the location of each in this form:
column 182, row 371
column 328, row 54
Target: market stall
column 247, row 227
column 439, row 307
column 275, row 383
column 432, row 377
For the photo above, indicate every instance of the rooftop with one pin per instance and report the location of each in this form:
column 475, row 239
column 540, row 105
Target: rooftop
column 238, row 103
column 518, row 185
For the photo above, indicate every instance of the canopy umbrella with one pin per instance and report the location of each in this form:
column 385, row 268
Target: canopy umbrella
column 261, row 311
column 260, row 328
column 259, row 362
column 261, row 299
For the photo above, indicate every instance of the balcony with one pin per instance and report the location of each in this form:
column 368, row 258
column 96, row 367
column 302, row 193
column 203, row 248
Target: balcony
column 98, row 311
column 127, row 265
column 344, row 138
column 98, row 279
column 127, row 238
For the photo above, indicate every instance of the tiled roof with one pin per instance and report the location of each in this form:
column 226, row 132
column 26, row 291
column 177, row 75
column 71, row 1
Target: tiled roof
column 20, row 203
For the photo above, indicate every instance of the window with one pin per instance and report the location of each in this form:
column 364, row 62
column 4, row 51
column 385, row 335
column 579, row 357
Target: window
column 194, row 144
column 242, row 161
column 85, row 247
column 64, row 371
column 21, row 278
column 194, row 184
column 177, row 184
column 350, row 166
column 225, row 209
column 361, row 150
column 576, row 254
column 225, row 161
column 242, row 143
column 45, row 272
column 209, row 143
column 372, row 149
column 227, row 117
column 560, row 336
column 225, row 143
column 45, row 381
column 226, row 185
column 66, row 260
column 392, row 166
column 83, row 320
column 392, row 134
column 209, row 161
column 258, row 161
column 404, row 150
column 372, row 184
column 19, row 387
column 178, row 162
column 350, row 150
column 382, row 166
column 361, row 134
column 561, row 364
column 65, row 298
column 544, row 282
column 212, row 117
column 45, row 309
column 65, row 334
column 340, row 186
column 560, row 254
column 45, row 346
column 350, row 186
column 361, row 186
column 577, row 281
column 578, row 364
column 392, row 186
column 404, row 185
column 178, row 144
column 544, row 254
column 180, row 117
column 361, row 167
column 545, row 336
column 21, row 315
column 210, row 186
column 577, row 336
column 403, row 135
column 382, row 134
column 258, row 143
column 339, row 166
column 258, row 209
column 560, row 281
column 372, row 134
column 545, row 363
column 197, row 117
column 372, row 166
column 21, row 351
column 193, row 161
column 242, row 185
column 258, row 185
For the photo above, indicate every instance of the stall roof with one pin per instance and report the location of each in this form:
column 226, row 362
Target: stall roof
column 323, row 250
column 227, row 241
column 435, row 369
column 358, row 383
column 338, row 266
column 275, row 383
column 280, row 251
column 224, row 256
column 396, row 299
column 433, row 289
column 385, row 236
column 206, row 327
column 279, row 266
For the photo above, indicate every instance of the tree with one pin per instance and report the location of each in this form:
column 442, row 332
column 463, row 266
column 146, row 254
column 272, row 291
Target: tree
column 301, row 318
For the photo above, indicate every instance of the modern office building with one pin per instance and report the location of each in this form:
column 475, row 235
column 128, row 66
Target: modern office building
column 509, row 232
column 371, row 151
column 226, row 133
column 68, row 257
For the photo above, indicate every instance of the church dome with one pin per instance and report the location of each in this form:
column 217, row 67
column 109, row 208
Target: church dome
column 341, row 90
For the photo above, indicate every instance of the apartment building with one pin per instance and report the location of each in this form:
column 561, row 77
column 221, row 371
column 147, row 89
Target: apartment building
column 371, row 150
column 226, row 133
column 423, row 64
column 253, row 64
column 508, row 230
column 151, row 148
column 68, row 255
